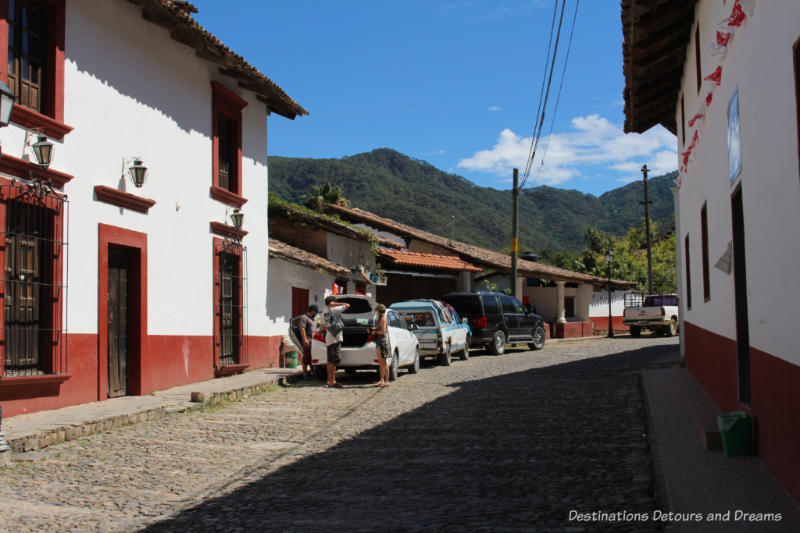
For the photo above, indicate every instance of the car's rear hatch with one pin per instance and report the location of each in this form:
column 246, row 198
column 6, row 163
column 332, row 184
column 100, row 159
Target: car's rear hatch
column 357, row 319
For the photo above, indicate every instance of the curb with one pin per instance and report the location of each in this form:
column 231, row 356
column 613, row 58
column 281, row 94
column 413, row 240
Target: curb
column 37, row 441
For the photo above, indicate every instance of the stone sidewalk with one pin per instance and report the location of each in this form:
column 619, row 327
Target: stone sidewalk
column 690, row 479
column 25, row 433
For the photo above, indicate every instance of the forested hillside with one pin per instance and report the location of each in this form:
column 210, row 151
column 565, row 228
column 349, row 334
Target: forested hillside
column 414, row 192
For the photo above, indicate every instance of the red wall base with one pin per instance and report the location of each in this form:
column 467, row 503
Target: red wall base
column 570, row 330
column 775, row 396
column 601, row 323
column 167, row 361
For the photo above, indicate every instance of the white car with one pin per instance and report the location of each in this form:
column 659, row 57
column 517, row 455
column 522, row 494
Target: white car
column 358, row 347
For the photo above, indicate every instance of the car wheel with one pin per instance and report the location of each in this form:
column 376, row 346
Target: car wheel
column 393, row 366
column 636, row 331
column 538, row 339
column 446, row 356
column 465, row 351
column 413, row 369
column 672, row 330
column 498, row 345
column 321, row 373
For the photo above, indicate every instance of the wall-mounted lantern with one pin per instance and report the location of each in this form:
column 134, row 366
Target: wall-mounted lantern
column 43, row 150
column 138, row 172
column 237, row 217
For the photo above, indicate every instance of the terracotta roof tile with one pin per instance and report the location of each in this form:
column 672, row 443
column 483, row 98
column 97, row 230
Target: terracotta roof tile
column 475, row 254
column 176, row 16
column 429, row 261
column 295, row 255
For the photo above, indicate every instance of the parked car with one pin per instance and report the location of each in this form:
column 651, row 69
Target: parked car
column 440, row 331
column 358, row 346
column 656, row 312
column 497, row 319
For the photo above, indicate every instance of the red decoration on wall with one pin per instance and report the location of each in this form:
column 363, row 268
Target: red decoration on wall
column 709, row 97
column 696, row 118
column 723, row 38
column 737, row 15
column 715, row 76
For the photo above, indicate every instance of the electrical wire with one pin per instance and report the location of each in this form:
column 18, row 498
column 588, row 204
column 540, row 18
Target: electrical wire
column 558, row 98
column 540, row 123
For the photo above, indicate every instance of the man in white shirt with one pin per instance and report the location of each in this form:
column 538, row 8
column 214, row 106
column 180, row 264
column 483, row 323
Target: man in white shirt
column 333, row 342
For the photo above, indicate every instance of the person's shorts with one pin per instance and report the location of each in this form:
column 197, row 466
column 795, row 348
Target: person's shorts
column 307, row 355
column 382, row 342
column 335, row 353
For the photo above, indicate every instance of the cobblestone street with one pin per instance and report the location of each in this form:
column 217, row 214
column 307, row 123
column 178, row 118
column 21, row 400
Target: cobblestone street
column 512, row 442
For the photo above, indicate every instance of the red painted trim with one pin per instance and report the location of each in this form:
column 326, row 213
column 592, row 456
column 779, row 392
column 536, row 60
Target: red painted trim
column 51, row 120
column 712, row 360
column 601, row 323
column 233, row 99
column 55, row 363
column 569, row 330
column 776, row 402
column 224, row 230
column 28, row 118
column 22, row 169
column 225, row 196
column 23, row 381
column 108, row 235
column 218, row 248
column 225, row 102
column 123, row 199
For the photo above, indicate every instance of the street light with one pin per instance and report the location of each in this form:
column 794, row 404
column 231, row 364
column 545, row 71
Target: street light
column 609, row 258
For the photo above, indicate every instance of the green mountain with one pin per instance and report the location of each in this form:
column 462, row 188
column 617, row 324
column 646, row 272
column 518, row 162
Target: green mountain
column 416, row 193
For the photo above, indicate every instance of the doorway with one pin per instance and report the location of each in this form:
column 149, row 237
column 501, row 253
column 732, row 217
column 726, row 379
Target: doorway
column 740, row 290
column 122, row 317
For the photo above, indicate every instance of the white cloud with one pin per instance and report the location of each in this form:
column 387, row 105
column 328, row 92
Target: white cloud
column 592, row 142
column 493, row 108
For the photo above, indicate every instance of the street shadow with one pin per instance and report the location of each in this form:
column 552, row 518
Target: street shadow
column 512, row 452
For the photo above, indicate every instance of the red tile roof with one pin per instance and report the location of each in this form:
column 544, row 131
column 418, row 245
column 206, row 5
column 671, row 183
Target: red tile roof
column 284, row 251
column 428, row 261
column 176, row 16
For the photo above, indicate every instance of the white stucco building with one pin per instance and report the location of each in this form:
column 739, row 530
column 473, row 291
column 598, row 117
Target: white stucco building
column 727, row 83
column 139, row 288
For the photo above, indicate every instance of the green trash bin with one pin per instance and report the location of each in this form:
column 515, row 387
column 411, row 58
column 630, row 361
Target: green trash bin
column 290, row 359
column 735, row 430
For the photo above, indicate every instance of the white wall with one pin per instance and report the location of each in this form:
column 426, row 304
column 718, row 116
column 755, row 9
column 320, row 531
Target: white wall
column 349, row 252
column 769, row 178
column 130, row 90
column 599, row 305
column 284, row 275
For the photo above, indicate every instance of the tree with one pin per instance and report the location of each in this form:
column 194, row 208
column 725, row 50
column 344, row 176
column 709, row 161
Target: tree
column 322, row 194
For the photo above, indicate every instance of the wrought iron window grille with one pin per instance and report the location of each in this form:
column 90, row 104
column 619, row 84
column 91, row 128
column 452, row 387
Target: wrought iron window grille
column 231, row 307
column 34, row 278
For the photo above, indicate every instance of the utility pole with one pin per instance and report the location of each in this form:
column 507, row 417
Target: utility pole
column 514, row 233
column 647, row 230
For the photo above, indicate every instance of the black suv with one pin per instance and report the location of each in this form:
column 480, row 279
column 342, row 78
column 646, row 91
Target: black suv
column 497, row 319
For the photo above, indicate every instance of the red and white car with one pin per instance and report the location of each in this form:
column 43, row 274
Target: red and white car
column 358, row 347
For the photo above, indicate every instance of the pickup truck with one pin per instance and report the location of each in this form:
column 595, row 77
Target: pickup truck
column 658, row 313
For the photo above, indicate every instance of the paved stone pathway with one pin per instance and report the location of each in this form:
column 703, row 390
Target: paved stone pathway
column 508, row 443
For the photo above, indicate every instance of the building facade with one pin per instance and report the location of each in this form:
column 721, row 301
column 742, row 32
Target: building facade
column 113, row 289
column 730, row 91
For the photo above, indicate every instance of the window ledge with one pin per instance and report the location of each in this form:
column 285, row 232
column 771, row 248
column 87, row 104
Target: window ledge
column 123, row 199
column 224, row 230
column 33, row 120
column 229, row 370
column 21, row 168
column 19, row 381
column 227, row 197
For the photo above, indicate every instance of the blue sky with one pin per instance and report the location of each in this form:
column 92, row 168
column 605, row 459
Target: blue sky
column 453, row 82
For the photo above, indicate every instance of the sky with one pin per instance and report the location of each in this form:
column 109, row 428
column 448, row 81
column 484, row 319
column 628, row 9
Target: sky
column 453, row 82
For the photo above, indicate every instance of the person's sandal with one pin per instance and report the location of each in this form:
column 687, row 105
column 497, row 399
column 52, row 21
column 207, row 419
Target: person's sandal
column 336, row 386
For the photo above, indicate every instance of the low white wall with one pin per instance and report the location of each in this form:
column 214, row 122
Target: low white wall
column 284, row 275
column 599, row 305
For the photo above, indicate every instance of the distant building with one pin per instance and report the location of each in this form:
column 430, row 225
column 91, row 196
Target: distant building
column 724, row 77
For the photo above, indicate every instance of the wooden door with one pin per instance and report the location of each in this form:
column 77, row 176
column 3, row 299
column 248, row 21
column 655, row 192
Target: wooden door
column 118, row 321
column 299, row 301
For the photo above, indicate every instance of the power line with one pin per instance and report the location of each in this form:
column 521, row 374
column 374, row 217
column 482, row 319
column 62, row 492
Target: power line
column 540, row 120
column 560, row 87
